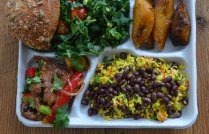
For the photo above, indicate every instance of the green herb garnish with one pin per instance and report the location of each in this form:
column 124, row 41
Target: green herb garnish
column 57, row 84
column 33, row 80
column 61, row 119
column 30, row 101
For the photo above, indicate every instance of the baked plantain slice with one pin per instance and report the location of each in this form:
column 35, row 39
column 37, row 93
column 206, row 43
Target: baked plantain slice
column 149, row 43
column 143, row 22
column 180, row 26
column 164, row 10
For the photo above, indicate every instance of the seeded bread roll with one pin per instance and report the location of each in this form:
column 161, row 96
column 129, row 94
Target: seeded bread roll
column 33, row 21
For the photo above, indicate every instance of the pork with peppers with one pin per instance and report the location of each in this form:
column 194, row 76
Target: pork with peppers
column 50, row 86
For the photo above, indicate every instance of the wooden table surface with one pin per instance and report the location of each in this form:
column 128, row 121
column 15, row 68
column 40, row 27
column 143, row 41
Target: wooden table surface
column 9, row 123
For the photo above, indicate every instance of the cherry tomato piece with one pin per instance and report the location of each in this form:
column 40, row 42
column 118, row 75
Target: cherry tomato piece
column 81, row 13
column 31, row 72
column 62, row 28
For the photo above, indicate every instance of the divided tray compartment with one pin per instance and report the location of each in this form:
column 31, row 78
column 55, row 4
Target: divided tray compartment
column 79, row 117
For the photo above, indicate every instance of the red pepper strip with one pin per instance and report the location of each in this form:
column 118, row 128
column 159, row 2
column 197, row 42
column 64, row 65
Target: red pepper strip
column 72, row 93
column 63, row 99
column 27, row 95
column 31, row 72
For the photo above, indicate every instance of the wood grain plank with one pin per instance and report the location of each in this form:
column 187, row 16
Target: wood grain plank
column 9, row 123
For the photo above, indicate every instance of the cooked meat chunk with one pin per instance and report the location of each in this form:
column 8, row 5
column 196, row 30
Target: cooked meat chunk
column 30, row 113
column 41, row 93
column 35, row 88
column 49, row 97
column 50, row 69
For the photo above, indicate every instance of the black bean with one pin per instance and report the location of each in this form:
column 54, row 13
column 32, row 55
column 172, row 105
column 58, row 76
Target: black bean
column 110, row 95
column 117, row 89
column 108, row 104
column 153, row 77
column 185, row 101
column 140, row 71
column 138, row 80
column 130, row 68
column 169, row 106
column 125, row 72
column 142, row 83
column 118, row 77
column 123, row 55
column 133, row 80
column 149, row 70
column 26, row 108
column 160, row 95
column 144, row 90
column 174, row 64
column 178, row 83
column 166, row 100
column 129, row 75
column 123, row 89
column 101, row 90
column 141, row 94
column 137, row 116
column 123, row 81
column 145, row 75
column 90, row 112
column 168, row 85
column 87, row 93
column 158, row 84
column 102, row 100
column 169, row 97
column 174, row 87
column 136, row 88
column 136, row 73
column 114, row 92
column 175, row 93
column 110, row 89
column 128, row 88
column 84, row 102
column 176, row 114
column 149, row 87
column 95, row 111
column 146, row 100
column 171, row 92
column 144, row 105
column 154, row 97
column 126, row 69
column 168, row 79
column 149, row 95
column 172, row 83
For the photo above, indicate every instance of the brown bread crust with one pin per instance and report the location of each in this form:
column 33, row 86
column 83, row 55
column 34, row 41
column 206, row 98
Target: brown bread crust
column 33, row 21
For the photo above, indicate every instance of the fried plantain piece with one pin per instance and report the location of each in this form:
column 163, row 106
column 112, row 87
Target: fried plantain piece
column 180, row 26
column 143, row 22
column 149, row 43
column 164, row 10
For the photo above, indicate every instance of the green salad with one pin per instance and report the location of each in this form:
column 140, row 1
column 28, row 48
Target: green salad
column 90, row 26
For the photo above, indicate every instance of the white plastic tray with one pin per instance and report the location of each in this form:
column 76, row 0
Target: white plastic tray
column 79, row 117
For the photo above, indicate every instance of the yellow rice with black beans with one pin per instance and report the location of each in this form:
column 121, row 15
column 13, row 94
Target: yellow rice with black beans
column 127, row 86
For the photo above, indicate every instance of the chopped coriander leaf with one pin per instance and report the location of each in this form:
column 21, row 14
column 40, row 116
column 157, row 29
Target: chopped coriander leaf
column 26, row 89
column 57, row 83
column 96, row 79
column 30, row 101
column 41, row 63
column 61, row 119
column 33, row 80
